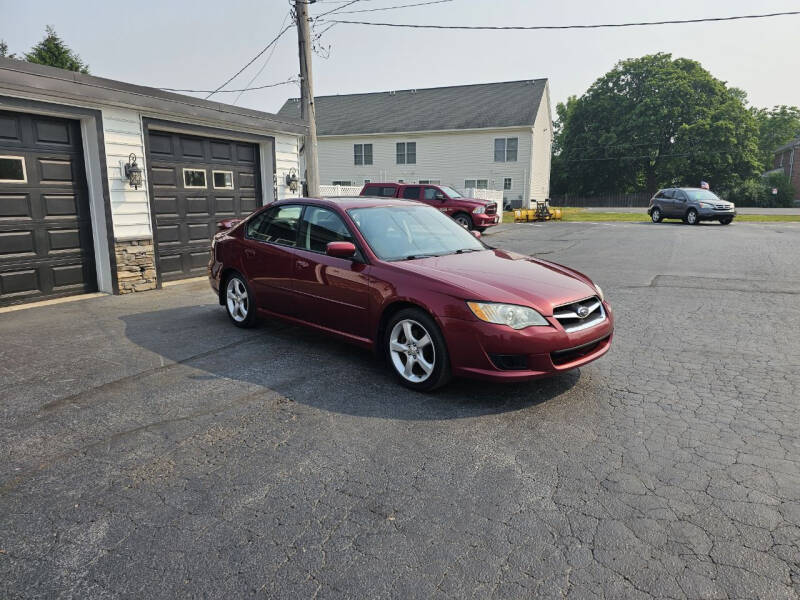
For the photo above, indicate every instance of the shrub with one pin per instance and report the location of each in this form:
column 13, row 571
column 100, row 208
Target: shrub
column 758, row 192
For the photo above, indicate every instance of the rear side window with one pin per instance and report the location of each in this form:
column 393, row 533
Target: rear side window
column 411, row 193
column 321, row 226
column 277, row 225
column 388, row 192
column 385, row 191
column 371, row 190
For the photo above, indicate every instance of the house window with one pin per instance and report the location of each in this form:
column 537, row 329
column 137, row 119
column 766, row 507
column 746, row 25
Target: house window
column 507, row 183
column 406, row 153
column 505, row 149
column 194, row 178
column 431, row 181
column 12, row 169
column 223, row 180
column 477, row 184
column 367, row 181
column 362, row 154
column 342, row 183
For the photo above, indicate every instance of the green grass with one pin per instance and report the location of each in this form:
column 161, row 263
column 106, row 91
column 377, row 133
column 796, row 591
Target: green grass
column 581, row 214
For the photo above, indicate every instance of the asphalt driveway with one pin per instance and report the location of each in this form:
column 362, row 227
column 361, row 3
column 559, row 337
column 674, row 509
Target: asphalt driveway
column 150, row 449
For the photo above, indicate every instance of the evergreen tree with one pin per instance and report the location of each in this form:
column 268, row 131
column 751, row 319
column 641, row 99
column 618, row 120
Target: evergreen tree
column 53, row 52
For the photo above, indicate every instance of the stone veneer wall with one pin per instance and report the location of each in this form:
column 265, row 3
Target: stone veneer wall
column 136, row 265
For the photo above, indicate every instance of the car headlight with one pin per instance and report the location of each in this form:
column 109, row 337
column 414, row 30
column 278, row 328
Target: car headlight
column 516, row 317
column 732, row 206
column 600, row 293
column 706, row 205
column 479, row 210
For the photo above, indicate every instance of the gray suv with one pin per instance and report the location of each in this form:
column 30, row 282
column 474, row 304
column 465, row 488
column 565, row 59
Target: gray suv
column 692, row 205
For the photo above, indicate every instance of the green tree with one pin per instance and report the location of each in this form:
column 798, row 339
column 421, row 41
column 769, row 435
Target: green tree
column 4, row 50
column 655, row 121
column 558, row 168
column 52, row 51
column 776, row 126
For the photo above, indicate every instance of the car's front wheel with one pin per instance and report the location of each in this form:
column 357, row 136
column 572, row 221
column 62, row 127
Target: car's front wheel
column 656, row 215
column 463, row 219
column 726, row 221
column 416, row 350
column 691, row 217
column 239, row 301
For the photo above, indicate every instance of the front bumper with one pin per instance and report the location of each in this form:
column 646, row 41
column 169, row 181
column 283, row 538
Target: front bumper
column 712, row 214
column 475, row 346
column 484, row 220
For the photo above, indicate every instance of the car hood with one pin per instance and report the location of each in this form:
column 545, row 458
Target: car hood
column 476, row 201
column 501, row 276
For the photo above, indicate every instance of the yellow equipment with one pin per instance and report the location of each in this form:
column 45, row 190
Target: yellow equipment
column 542, row 212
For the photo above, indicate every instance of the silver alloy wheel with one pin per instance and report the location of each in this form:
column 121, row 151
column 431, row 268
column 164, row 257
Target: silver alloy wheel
column 238, row 302
column 655, row 215
column 691, row 217
column 412, row 351
column 463, row 220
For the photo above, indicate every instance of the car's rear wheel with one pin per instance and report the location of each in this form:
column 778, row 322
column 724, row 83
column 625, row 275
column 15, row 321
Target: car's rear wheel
column 416, row 350
column 239, row 301
column 463, row 219
column 726, row 221
column 656, row 215
column 691, row 217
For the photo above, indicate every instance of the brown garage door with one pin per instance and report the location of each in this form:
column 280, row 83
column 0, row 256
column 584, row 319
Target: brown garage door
column 196, row 182
column 46, row 248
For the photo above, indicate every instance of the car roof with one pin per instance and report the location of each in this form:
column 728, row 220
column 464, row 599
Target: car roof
column 347, row 202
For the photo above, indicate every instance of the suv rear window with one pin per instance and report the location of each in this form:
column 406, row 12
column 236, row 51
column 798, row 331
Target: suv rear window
column 379, row 190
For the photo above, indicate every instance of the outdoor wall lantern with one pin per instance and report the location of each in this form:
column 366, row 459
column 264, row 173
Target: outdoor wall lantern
column 133, row 172
column 291, row 180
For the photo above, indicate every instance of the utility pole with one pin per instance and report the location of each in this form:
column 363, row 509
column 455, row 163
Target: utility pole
column 307, row 112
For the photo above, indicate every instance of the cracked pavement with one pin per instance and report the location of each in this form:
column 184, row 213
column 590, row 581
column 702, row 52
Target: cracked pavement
column 148, row 448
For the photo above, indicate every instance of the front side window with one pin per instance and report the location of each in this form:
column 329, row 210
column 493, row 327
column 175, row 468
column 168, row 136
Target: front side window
column 12, row 169
column 406, row 153
column 411, row 231
column 194, row 178
column 320, row 227
column 411, row 192
column 505, row 149
column 277, row 225
column 223, row 180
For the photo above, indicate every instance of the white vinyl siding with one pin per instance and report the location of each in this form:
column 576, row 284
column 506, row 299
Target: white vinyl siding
column 542, row 149
column 448, row 157
column 130, row 211
column 286, row 159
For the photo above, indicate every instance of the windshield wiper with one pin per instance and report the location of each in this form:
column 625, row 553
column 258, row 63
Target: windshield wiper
column 463, row 250
column 415, row 256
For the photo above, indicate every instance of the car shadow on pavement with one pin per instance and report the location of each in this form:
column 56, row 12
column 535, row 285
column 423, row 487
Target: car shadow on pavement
column 316, row 369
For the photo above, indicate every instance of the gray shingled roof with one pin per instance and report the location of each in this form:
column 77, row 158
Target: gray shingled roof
column 507, row 104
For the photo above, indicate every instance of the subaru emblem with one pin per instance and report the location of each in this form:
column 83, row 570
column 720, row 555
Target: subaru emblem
column 582, row 312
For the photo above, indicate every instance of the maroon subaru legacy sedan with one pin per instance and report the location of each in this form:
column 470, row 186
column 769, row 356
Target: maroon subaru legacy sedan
column 401, row 278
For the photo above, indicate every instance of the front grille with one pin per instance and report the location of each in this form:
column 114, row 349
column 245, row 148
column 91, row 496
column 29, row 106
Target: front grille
column 491, row 209
column 721, row 207
column 583, row 314
column 563, row 357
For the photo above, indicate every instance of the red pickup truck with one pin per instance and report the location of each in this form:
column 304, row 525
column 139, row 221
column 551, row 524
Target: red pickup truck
column 472, row 213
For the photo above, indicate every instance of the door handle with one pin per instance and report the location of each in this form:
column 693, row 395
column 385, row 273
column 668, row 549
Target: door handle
column 249, row 253
column 302, row 264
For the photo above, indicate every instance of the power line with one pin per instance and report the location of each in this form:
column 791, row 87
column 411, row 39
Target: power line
column 252, row 60
column 363, row 10
column 247, row 89
column 333, row 10
column 266, row 62
column 561, row 27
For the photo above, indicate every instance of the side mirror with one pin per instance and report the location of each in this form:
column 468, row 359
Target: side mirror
column 340, row 249
column 440, row 196
column 476, row 234
column 227, row 224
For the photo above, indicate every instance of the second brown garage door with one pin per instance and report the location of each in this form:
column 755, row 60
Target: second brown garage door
column 196, row 182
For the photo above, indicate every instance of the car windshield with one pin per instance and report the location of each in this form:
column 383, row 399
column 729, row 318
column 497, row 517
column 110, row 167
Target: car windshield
column 450, row 191
column 409, row 232
column 701, row 195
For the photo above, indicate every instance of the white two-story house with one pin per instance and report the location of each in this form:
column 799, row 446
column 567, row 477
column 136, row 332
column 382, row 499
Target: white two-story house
column 486, row 136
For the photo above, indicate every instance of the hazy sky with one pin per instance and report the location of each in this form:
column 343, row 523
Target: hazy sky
column 199, row 44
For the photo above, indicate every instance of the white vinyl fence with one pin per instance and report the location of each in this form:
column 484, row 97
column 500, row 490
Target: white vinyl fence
column 339, row 190
column 495, row 195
